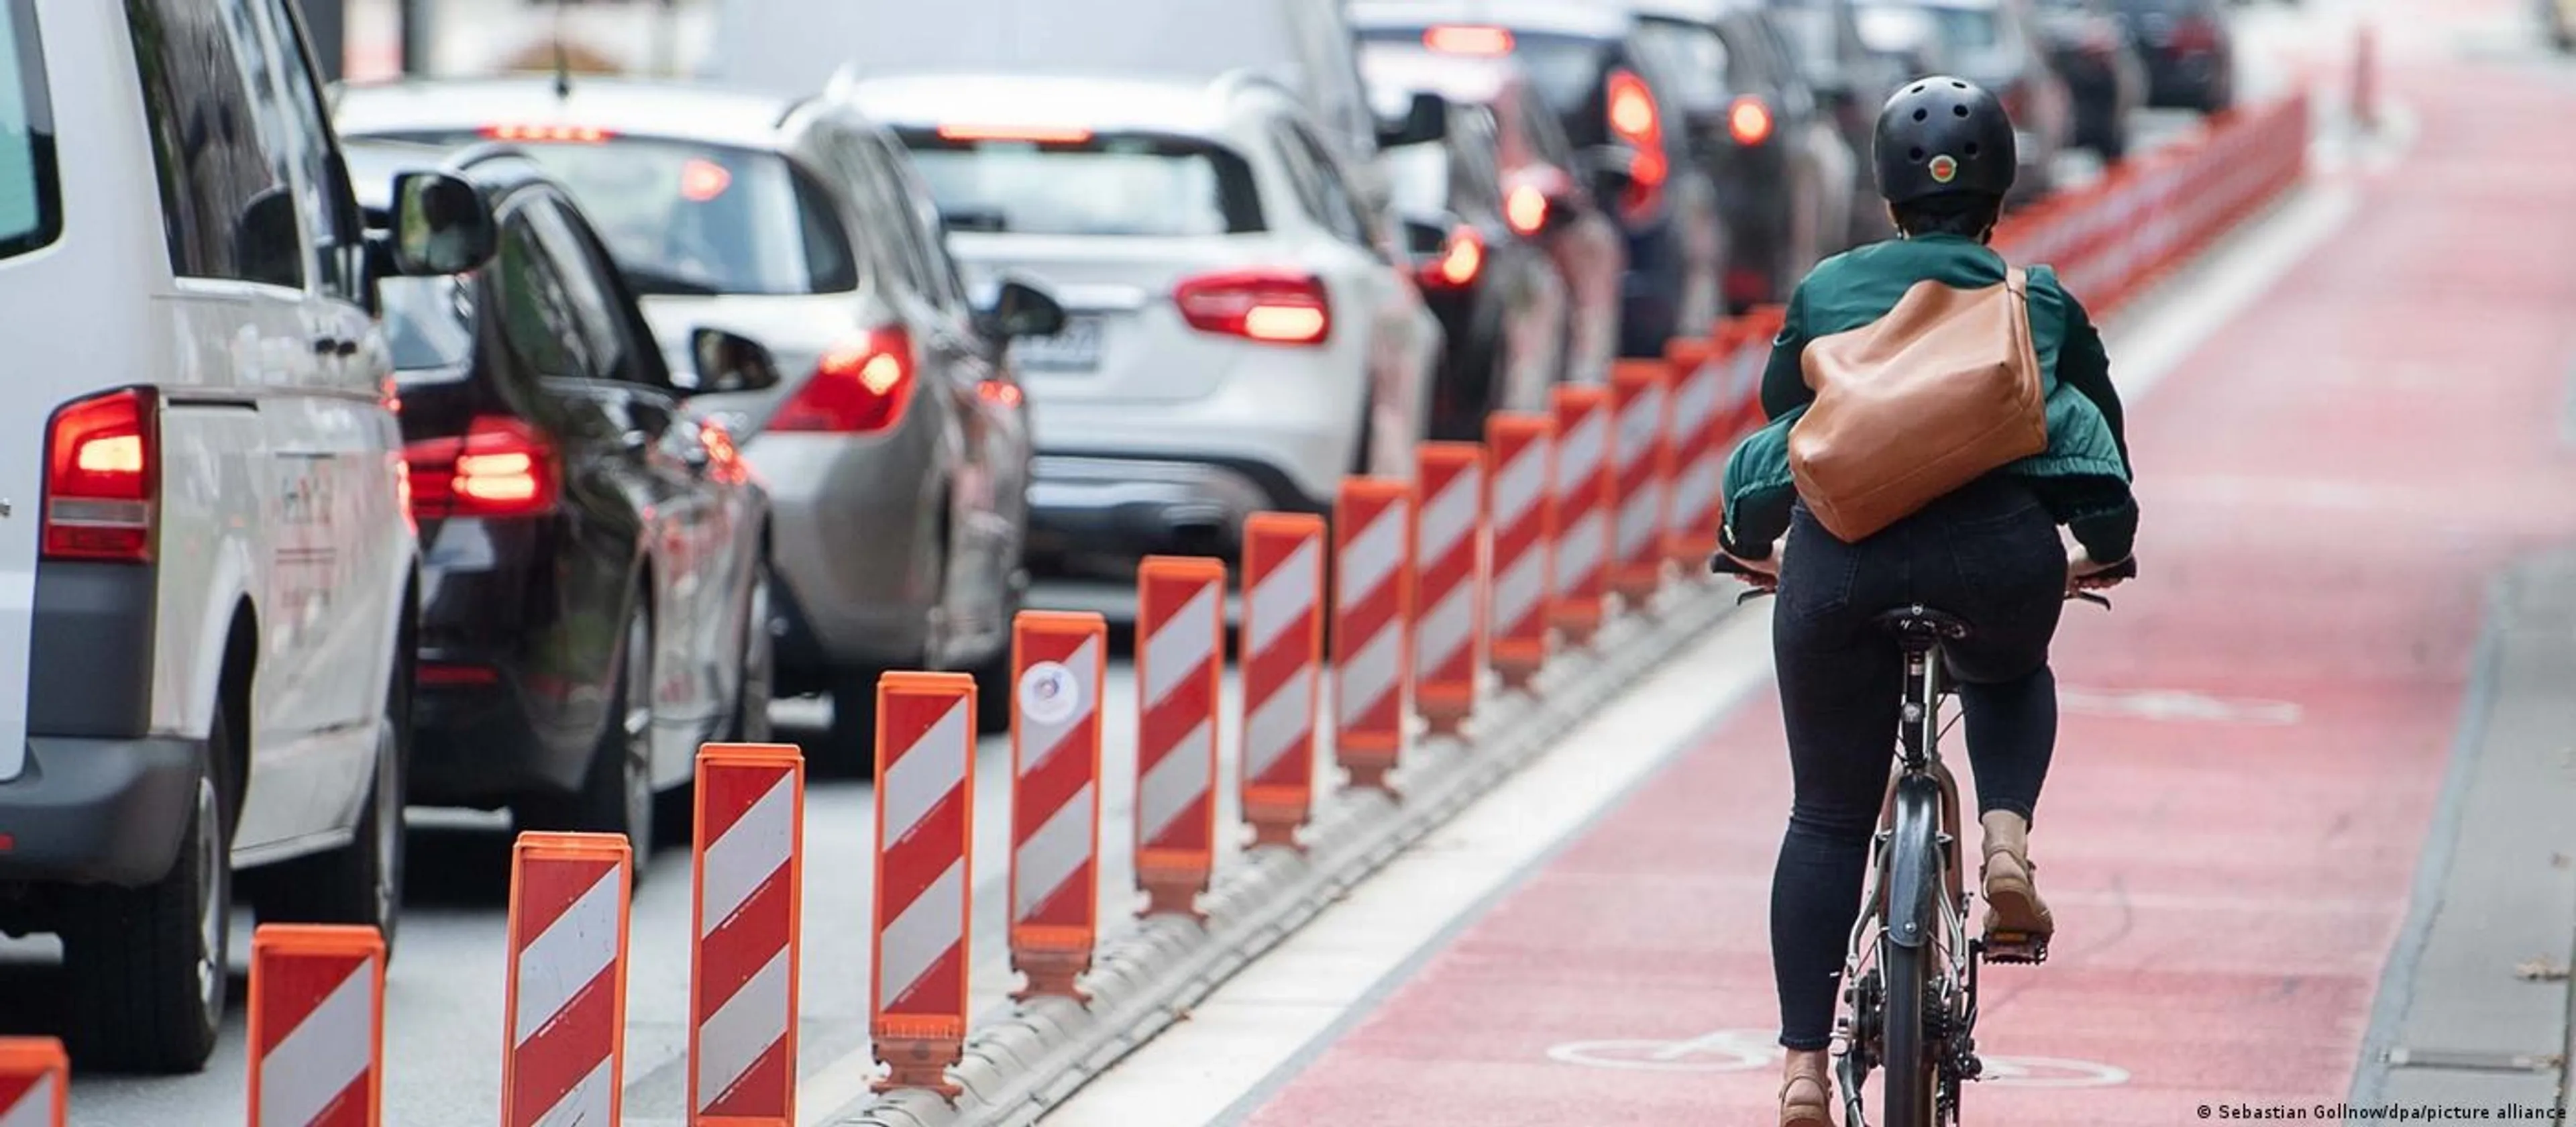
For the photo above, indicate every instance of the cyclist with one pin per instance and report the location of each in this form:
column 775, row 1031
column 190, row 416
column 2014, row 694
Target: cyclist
column 1988, row 553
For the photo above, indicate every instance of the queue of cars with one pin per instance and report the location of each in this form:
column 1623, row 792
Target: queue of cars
column 493, row 442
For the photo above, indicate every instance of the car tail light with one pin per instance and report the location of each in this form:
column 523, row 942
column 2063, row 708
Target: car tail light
column 558, row 134
column 102, row 477
column 1749, row 121
column 1468, row 40
column 2195, row 34
column 1032, row 134
column 1460, row 260
column 863, row 387
column 500, row 467
column 1271, row 306
column 1526, row 209
column 1635, row 120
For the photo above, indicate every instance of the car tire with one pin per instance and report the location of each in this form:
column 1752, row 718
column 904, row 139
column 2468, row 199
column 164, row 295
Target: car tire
column 149, row 967
column 759, row 683
column 850, row 743
column 361, row 882
column 616, row 793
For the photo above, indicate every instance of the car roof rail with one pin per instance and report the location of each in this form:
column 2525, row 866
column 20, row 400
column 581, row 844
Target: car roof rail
column 1242, row 79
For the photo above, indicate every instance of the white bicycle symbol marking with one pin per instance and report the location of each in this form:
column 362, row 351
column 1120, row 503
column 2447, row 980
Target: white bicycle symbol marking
column 1743, row 1050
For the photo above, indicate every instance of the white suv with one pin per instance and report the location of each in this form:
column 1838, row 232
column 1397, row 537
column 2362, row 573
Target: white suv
column 1238, row 337
column 206, row 571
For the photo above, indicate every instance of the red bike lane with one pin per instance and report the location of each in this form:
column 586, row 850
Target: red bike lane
column 2253, row 743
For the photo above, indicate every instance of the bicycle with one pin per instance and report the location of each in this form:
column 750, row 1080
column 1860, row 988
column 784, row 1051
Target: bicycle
column 1909, row 1002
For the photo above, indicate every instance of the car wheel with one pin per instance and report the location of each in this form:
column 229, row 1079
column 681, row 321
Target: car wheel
column 850, row 743
column 149, row 967
column 361, row 882
column 616, row 794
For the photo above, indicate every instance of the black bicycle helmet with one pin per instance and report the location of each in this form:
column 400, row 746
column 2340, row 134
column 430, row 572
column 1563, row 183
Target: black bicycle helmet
column 1941, row 135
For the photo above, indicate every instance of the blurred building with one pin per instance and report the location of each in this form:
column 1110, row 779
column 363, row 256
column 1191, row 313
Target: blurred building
column 465, row 38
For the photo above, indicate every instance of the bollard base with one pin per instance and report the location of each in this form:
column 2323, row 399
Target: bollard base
column 1451, row 725
column 1578, row 632
column 1518, row 674
column 1173, row 894
column 1276, row 811
column 1052, row 974
column 1281, row 833
column 1369, row 771
column 919, row 1064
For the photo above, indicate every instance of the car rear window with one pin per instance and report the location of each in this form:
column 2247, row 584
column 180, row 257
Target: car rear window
column 1129, row 184
column 31, row 211
column 683, row 217
column 1563, row 68
column 1418, row 177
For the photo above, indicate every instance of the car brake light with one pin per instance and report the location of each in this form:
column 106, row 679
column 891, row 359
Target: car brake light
column 1634, row 119
column 1468, row 40
column 500, row 467
column 1461, row 258
column 101, row 478
column 576, row 134
column 1272, row 306
column 1525, row 209
column 1033, row 134
column 1749, row 121
column 863, row 387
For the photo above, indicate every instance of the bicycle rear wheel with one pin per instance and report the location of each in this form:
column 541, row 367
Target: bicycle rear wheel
column 1906, row 1063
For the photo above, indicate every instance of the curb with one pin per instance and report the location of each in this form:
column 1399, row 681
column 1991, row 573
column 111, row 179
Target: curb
column 1033, row 1056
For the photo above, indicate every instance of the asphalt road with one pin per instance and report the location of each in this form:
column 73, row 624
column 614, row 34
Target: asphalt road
column 444, row 1000
column 445, row 995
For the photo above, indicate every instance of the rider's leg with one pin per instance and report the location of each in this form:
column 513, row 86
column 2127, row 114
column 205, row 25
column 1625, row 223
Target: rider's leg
column 1840, row 681
column 2012, row 727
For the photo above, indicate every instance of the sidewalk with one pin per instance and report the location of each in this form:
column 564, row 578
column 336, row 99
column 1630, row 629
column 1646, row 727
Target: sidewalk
column 2474, row 1008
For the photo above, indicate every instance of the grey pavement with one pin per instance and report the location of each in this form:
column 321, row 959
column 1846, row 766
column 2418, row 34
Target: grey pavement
column 2473, row 1008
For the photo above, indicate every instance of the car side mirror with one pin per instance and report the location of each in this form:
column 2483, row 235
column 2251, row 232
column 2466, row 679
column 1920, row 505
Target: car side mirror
column 1426, row 119
column 728, row 362
column 441, row 225
column 1425, row 236
column 1021, row 310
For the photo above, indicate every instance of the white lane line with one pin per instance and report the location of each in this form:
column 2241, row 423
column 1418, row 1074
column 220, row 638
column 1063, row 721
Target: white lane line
column 1259, row 1021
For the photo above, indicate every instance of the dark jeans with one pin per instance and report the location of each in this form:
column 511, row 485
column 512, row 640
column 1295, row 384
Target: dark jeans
column 1988, row 554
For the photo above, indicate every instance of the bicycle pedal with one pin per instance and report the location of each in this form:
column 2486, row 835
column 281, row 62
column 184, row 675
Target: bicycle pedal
column 2015, row 947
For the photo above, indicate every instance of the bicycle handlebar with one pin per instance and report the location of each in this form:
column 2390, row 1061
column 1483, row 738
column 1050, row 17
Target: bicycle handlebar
column 1723, row 564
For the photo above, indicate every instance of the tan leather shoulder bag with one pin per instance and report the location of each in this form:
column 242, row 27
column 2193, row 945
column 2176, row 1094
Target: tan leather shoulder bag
column 1941, row 391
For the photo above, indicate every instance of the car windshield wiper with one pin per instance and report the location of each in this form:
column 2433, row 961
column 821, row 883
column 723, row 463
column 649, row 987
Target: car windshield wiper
column 645, row 279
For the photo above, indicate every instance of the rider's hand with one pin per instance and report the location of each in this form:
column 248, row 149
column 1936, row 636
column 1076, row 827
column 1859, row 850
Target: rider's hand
column 2081, row 571
column 1765, row 572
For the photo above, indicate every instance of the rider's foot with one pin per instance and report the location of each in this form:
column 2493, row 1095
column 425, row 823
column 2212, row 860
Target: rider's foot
column 1806, row 1090
column 2018, row 925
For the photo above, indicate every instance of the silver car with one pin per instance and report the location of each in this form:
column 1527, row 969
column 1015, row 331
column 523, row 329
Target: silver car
column 896, row 452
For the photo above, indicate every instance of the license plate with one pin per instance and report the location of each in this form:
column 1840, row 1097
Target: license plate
column 1076, row 349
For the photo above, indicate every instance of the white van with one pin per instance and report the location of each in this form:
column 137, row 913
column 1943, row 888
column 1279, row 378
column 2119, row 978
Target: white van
column 206, row 570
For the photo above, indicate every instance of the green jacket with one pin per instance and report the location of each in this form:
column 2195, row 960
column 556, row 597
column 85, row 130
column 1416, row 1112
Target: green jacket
column 2083, row 477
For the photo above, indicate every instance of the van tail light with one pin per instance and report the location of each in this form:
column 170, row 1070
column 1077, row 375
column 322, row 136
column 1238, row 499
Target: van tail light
column 862, row 387
column 1461, row 259
column 2195, row 35
column 1525, row 209
column 1749, row 121
column 1271, row 306
column 1489, row 41
column 102, row 477
column 500, row 467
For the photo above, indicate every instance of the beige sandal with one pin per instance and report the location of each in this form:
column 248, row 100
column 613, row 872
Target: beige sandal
column 2018, row 925
column 1807, row 1097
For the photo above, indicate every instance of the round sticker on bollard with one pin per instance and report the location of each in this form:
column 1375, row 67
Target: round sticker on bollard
column 1049, row 694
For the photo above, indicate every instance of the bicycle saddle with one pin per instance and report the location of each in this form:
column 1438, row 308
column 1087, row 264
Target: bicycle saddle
column 1919, row 627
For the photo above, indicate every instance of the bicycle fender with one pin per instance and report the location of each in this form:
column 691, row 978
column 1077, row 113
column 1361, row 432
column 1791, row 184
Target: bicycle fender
column 1914, row 862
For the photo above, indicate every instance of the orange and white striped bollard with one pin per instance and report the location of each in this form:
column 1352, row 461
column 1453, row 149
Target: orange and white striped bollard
column 566, row 997
column 746, row 911
column 35, row 1082
column 1641, row 477
column 1448, row 584
column 925, row 792
column 1058, row 661
column 1282, row 658
column 317, row 1026
column 1372, row 625
column 1582, row 504
column 1520, row 456
column 1180, row 664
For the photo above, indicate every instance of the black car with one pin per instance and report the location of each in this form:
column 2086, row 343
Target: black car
column 1501, row 306
column 594, row 599
column 1620, row 104
column 2104, row 70
column 1851, row 81
column 1784, row 173
column 2190, row 50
